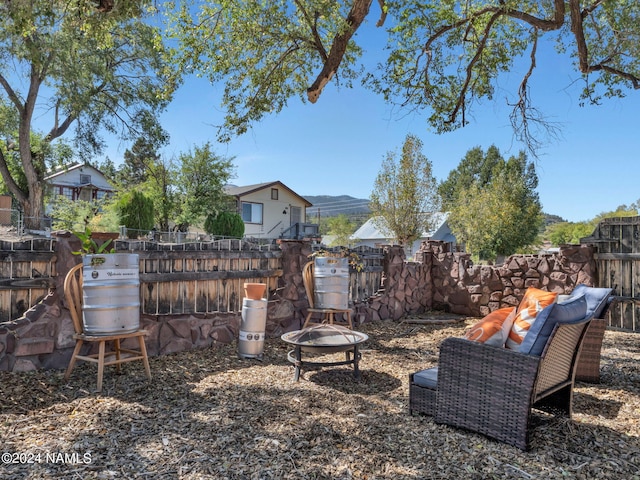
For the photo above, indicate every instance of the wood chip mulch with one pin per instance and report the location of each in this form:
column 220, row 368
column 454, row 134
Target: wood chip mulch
column 209, row 414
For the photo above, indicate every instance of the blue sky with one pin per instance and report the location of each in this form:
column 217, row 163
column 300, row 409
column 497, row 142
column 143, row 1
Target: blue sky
column 336, row 146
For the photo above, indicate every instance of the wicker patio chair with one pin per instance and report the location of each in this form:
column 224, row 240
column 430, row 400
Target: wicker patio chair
column 588, row 365
column 104, row 357
column 492, row 390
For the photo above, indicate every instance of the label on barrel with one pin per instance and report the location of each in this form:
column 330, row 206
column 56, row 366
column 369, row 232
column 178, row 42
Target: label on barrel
column 251, row 336
column 113, row 273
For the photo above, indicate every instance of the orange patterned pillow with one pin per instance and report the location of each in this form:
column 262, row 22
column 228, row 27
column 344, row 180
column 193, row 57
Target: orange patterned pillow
column 532, row 303
column 494, row 328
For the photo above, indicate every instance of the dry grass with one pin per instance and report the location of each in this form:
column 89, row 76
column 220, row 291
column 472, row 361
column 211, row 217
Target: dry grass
column 209, row 414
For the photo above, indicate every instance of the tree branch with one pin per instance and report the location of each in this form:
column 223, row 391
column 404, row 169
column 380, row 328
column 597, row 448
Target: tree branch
column 383, row 13
column 9, row 181
column 465, row 86
column 359, row 11
column 313, row 24
column 523, row 113
column 11, row 94
column 577, row 18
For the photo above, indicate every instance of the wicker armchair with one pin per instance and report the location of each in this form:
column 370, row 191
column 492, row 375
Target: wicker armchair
column 491, row 390
column 588, row 365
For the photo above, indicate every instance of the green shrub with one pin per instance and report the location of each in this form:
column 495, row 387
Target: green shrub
column 135, row 211
column 224, row 224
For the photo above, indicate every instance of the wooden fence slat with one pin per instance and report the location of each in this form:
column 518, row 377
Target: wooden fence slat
column 617, row 244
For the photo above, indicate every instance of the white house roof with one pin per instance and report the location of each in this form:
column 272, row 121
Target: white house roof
column 370, row 230
column 247, row 189
column 68, row 176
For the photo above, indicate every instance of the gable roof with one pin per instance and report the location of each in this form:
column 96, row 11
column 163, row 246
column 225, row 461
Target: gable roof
column 248, row 189
column 370, row 231
column 52, row 178
column 71, row 168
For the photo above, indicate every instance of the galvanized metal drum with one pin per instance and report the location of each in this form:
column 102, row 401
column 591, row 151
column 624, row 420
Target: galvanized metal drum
column 252, row 328
column 331, row 280
column 111, row 293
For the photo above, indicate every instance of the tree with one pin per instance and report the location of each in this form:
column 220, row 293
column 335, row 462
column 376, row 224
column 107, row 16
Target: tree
column 74, row 215
column 476, row 168
column 224, row 224
column 443, row 57
column 494, row 208
column 568, row 233
column 145, row 168
column 571, row 232
column 405, row 192
column 622, row 211
column 201, row 180
column 135, row 211
column 341, row 228
column 160, row 174
column 144, row 155
column 96, row 67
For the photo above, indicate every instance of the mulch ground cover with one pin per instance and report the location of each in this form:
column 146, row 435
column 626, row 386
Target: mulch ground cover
column 209, row 414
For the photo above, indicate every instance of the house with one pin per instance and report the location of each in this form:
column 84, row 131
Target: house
column 371, row 234
column 272, row 210
column 80, row 182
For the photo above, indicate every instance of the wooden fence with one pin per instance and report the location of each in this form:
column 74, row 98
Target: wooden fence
column 175, row 279
column 26, row 271
column 201, row 278
column 617, row 244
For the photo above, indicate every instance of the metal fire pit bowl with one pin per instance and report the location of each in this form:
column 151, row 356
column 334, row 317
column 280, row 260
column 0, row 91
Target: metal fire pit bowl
column 324, row 339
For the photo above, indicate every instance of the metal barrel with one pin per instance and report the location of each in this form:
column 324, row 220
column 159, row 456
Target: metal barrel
column 331, row 282
column 252, row 328
column 111, row 293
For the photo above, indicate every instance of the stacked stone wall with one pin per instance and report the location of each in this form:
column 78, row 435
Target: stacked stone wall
column 461, row 287
column 440, row 280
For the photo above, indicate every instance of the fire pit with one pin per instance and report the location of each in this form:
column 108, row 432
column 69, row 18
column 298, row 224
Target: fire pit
column 324, row 339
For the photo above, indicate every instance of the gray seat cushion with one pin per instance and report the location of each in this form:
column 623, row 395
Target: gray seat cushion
column 427, row 378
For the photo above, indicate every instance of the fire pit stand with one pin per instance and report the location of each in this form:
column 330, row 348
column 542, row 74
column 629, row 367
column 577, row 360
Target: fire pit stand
column 324, row 339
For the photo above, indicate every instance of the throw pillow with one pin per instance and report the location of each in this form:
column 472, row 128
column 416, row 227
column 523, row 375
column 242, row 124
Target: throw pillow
column 597, row 298
column 494, row 328
column 573, row 310
column 532, row 303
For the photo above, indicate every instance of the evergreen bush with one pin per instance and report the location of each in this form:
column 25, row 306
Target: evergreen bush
column 224, row 224
column 136, row 212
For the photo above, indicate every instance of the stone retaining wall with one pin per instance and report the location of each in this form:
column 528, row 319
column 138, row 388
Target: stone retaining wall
column 460, row 287
column 442, row 280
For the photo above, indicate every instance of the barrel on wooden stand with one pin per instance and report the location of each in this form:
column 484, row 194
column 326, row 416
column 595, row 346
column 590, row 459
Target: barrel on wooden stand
column 331, row 282
column 110, row 293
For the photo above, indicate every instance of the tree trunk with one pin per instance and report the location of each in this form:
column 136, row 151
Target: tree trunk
column 34, row 208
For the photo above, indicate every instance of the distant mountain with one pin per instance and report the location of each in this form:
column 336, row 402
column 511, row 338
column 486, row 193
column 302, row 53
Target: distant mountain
column 331, row 206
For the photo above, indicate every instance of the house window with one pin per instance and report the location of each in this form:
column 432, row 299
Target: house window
column 67, row 192
column 251, row 212
column 85, row 179
column 274, row 194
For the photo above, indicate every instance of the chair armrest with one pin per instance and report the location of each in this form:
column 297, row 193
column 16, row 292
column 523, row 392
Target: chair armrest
column 483, row 388
column 462, row 358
